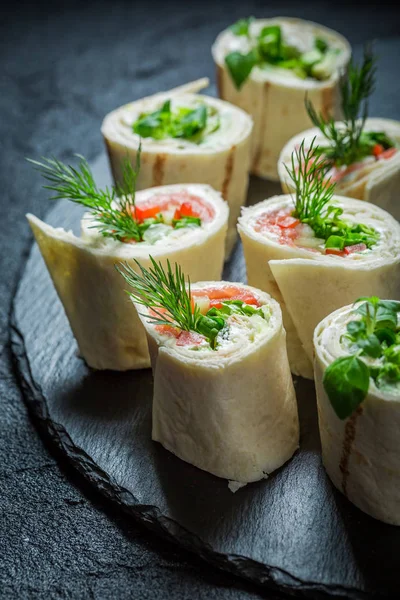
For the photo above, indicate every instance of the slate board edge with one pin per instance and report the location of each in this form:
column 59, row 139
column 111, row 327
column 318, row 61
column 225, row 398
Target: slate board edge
column 267, row 576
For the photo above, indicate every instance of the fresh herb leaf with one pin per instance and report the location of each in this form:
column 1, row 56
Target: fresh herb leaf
column 374, row 334
column 167, row 293
column 240, row 66
column 183, row 123
column 269, row 48
column 113, row 209
column 113, row 216
column 164, row 291
column 346, row 381
column 313, row 195
column 348, row 143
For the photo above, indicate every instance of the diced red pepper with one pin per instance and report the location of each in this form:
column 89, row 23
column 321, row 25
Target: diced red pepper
column 388, row 153
column 146, row 213
column 355, row 248
column 335, row 251
column 187, row 210
column 377, row 149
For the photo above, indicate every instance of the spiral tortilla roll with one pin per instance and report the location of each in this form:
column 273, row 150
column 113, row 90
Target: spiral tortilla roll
column 230, row 411
column 362, row 453
column 104, row 322
column 310, row 285
column 376, row 181
column 276, row 100
column 221, row 160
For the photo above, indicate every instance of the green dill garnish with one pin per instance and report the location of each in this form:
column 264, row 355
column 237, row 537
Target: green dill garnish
column 186, row 123
column 113, row 208
column 269, row 48
column 167, row 293
column 348, row 142
column 313, row 206
column 374, row 334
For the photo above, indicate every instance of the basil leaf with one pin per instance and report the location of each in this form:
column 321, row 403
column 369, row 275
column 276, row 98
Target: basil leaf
column 390, row 305
column 356, row 328
column 240, row 66
column 386, row 335
column 386, row 318
column 370, row 345
column 346, row 381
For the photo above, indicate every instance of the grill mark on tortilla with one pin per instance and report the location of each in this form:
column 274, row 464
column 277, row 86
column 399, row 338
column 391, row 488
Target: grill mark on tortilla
column 158, row 169
column 228, row 172
column 327, row 103
column 220, row 86
column 258, row 153
column 349, row 437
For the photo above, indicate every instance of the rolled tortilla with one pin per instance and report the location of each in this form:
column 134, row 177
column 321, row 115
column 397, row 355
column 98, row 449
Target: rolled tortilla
column 308, row 284
column 104, row 322
column 362, row 453
column 376, row 181
column 221, row 160
column 275, row 97
column 230, row 411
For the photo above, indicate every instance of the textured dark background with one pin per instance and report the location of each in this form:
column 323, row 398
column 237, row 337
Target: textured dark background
column 61, row 71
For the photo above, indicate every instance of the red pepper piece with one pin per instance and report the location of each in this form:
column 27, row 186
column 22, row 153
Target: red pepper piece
column 355, row 248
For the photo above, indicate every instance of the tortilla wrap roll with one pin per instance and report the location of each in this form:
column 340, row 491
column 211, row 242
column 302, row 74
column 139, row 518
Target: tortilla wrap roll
column 231, row 410
column 220, row 157
column 361, row 453
column 273, row 96
column 290, row 264
column 104, row 322
column 374, row 179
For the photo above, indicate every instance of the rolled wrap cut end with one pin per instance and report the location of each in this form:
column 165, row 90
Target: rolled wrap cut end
column 221, row 159
column 230, row 411
column 361, row 454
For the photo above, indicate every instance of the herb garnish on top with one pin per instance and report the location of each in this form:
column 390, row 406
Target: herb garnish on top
column 374, row 333
column 114, row 211
column 348, row 142
column 167, row 293
column 313, row 206
column 269, row 47
column 186, row 123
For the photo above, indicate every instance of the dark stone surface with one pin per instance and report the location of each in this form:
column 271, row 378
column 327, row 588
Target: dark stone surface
column 61, row 71
column 292, row 532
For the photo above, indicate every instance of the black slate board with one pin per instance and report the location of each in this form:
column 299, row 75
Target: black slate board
column 292, row 532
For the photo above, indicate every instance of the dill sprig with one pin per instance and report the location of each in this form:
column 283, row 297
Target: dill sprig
column 167, row 293
column 347, row 144
column 312, row 192
column 113, row 208
column 313, row 206
column 162, row 291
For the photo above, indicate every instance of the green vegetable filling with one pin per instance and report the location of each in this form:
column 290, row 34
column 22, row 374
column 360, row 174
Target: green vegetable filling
column 376, row 335
column 313, row 206
column 350, row 143
column 167, row 290
column 269, row 48
column 186, row 123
